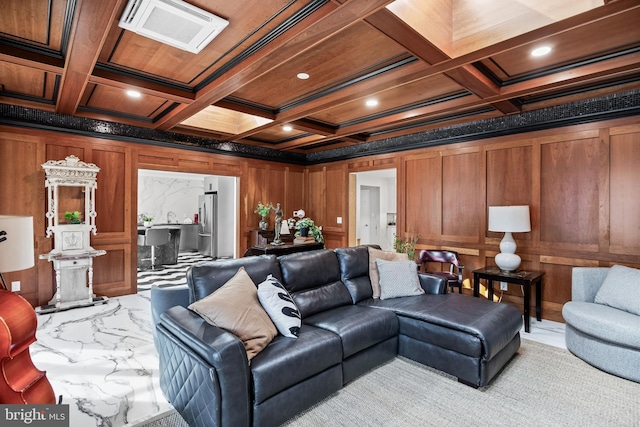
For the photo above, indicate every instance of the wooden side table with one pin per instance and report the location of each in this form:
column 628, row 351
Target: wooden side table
column 524, row 278
column 282, row 249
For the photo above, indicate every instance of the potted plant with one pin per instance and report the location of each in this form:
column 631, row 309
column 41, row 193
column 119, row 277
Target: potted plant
column 72, row 217
column 147, row 220
column 263, row 211
column 306, row 227
column 407, row 246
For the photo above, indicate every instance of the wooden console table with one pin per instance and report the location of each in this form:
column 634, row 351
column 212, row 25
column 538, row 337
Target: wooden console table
column 524, row 278
column 282, row 249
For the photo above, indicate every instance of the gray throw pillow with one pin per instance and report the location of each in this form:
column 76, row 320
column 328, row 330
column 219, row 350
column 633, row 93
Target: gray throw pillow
column 279, row 305
column 621, row 289
column 398, row 279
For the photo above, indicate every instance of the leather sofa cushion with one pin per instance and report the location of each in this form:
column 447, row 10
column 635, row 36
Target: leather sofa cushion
column 313, row 279
column 204, row 278
column 358, row 327
column 494, row 325
column 308, row 270
column 354, row 272
column 286, row 361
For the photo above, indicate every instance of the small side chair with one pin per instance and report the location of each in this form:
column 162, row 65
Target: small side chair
column 454, row 275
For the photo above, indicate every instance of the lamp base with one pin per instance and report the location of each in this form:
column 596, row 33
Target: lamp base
column 507, row 262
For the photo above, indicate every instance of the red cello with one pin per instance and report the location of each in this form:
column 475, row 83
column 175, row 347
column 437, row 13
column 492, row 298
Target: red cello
column 20, row 380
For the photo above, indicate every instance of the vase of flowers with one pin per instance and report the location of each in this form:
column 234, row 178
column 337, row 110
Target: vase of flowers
column 263, row 211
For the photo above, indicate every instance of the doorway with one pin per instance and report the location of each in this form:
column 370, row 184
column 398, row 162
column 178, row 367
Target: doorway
column 173, row 198
column 372, row 208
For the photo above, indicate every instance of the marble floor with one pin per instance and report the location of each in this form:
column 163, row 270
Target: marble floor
column 102, row 360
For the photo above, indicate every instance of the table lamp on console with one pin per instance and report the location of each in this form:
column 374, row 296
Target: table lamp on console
column 509, row 219
column 16, row 244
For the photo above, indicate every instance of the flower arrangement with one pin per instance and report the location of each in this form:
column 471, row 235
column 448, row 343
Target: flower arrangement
column 306, row 222
column 263, row 210
column 405, row 246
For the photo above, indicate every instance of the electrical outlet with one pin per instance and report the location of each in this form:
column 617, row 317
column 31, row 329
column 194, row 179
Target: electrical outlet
column 339, row 220
column 504, row 286
column 15, row 286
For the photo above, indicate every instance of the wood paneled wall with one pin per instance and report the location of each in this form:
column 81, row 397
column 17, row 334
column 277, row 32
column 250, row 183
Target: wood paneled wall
column 22, row 192
column 580, row 182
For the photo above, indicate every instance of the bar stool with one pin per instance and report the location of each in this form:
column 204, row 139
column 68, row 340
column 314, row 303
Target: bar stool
column 154, row 237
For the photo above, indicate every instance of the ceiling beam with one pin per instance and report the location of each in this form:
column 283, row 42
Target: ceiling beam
column 466, row 76
column 26, row 58
column 321, row 25
column 90, row 28
column 124, row 82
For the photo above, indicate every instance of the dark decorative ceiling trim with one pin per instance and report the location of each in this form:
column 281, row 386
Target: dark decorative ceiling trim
column 14, row 115
column 589, row 110
column 572, row 66
column 607, row 107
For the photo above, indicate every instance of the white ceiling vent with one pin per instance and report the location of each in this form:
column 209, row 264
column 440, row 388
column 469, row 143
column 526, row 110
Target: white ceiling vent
column 173, row 22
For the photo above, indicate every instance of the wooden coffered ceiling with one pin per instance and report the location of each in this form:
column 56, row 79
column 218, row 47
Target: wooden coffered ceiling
column 427, row 63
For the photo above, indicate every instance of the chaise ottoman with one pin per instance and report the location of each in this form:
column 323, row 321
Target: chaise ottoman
column 469, row 338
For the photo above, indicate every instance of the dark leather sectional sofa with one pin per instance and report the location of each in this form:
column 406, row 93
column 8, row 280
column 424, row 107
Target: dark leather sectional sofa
column 205, row 374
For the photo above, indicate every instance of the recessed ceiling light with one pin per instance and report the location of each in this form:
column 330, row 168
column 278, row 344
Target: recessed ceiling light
column 287, row 128
column 541, row 51
column 134, row 94
column 302, row 76
column 371, row 102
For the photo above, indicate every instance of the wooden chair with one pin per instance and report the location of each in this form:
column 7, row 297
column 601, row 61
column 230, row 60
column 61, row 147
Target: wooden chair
column 454, row 275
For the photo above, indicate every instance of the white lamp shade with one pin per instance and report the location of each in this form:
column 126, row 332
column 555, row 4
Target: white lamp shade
column 513, row 219
column 16, row 252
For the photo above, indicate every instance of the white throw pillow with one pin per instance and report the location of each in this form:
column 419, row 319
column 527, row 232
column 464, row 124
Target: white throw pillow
column 398, row 279
column 621, row 289
column 279, row 305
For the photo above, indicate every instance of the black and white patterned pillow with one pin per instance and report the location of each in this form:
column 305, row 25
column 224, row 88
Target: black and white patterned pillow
column 279, row 305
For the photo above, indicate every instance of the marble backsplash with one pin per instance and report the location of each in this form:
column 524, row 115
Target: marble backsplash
column 159, row 196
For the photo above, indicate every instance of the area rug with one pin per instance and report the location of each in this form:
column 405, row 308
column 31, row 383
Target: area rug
column 541, row 386
column 172, row 274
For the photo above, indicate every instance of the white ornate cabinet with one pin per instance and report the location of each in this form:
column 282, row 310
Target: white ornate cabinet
column 72, row 255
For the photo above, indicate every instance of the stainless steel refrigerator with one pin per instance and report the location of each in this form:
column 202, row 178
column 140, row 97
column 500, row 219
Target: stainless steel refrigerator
column 208, row 224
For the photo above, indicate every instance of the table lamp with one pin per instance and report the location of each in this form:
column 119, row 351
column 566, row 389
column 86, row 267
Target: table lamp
column 16, row 244
column 509, row 219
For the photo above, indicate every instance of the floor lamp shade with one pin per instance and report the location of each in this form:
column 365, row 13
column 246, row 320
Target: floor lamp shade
column 16, row 243
column 509, row 219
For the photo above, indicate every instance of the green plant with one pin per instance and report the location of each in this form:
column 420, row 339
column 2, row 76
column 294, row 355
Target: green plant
column 314, row 230
column 407, row 246
column 147, row 218
column 72, row 217
column 263, row 210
